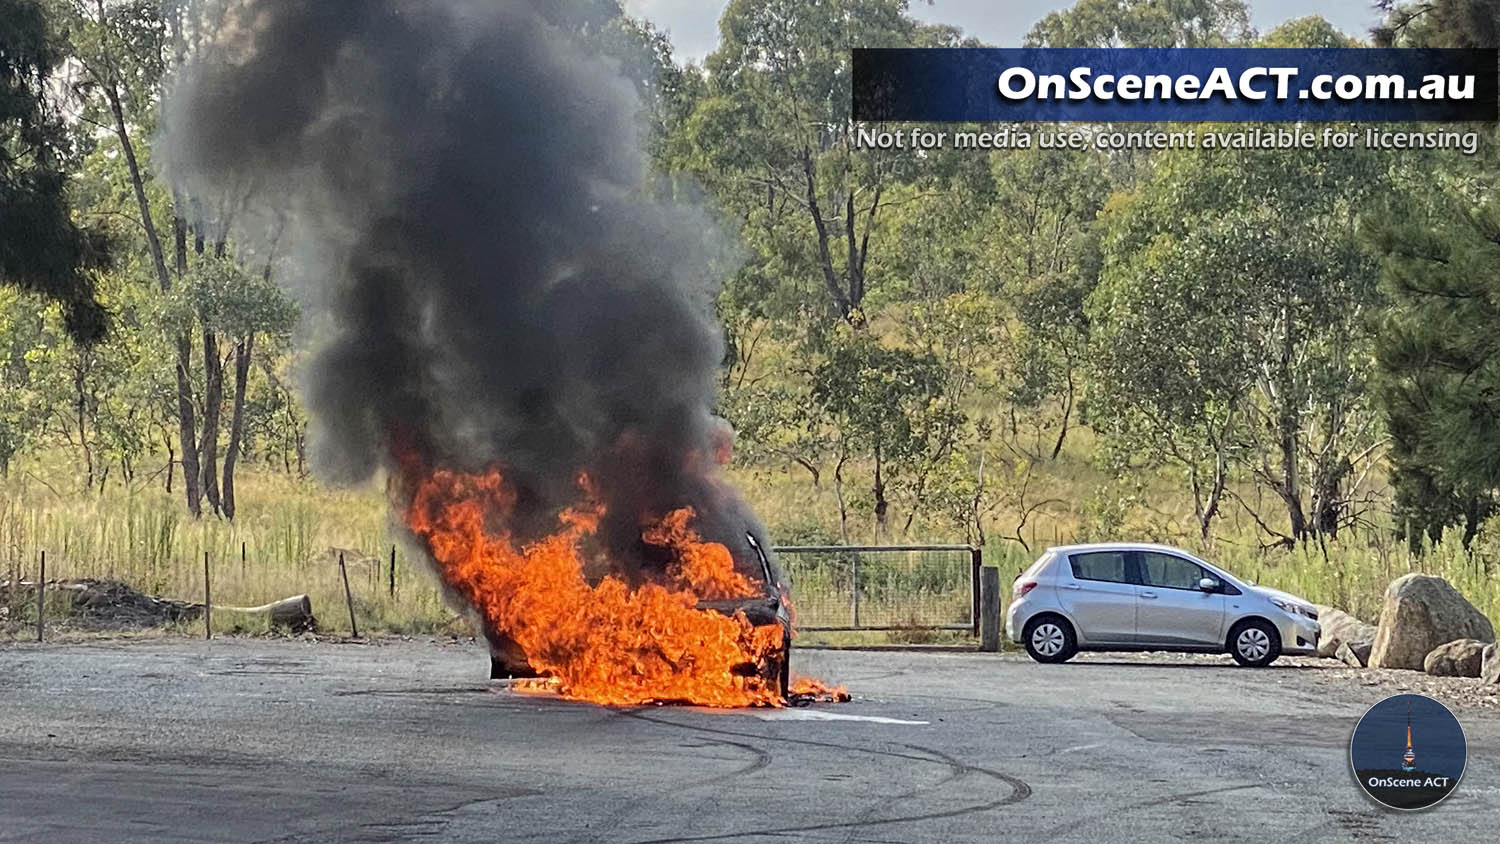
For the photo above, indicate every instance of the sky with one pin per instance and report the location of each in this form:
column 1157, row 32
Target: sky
column 694, row 24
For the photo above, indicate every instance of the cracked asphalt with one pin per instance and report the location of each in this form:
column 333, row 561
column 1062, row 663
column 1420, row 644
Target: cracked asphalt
column 251, row 740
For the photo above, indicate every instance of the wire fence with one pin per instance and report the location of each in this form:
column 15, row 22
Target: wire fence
column 58, row 594
column 884, row 587
column 834, row 588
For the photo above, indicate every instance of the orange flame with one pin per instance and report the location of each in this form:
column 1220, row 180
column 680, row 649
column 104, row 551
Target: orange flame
column 808, row 688
column 604, row 642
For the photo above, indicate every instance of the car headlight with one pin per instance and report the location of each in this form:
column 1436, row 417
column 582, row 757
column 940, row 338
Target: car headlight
column 1296, row 609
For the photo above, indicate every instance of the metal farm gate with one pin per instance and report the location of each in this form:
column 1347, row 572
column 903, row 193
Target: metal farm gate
column 884, row 587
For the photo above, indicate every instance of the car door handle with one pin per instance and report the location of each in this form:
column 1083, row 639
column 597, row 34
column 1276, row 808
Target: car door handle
column 1072, row 586
column 1151, row 595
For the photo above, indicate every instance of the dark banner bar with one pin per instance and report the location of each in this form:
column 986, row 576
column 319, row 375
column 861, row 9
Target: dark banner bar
column 1186, row 85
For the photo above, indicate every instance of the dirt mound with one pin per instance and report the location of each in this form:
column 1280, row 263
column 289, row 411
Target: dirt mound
column 105, row 603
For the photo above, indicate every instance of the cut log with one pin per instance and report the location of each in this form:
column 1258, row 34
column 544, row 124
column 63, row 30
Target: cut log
column 294, row 613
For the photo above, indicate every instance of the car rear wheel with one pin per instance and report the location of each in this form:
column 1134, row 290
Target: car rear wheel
column 1050, row 638
column 1254, row 643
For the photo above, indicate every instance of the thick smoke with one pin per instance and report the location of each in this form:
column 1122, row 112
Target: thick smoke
column 459, row 188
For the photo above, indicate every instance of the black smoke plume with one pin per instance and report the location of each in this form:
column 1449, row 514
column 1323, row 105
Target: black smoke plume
column 457, row 187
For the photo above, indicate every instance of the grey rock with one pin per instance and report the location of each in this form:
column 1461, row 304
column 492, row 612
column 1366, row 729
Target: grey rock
column 1459, row 658
column 1489, row 665
column 1354, row 654
column 1420, row 613
column 1338, row 627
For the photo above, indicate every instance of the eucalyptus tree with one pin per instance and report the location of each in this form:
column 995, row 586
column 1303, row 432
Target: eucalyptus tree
column 1232, row 327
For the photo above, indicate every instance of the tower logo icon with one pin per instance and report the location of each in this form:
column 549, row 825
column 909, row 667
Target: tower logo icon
column 1389, row 770
column 1408, row 759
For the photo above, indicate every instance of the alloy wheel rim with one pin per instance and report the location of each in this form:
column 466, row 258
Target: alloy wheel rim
column 1047, row 639
column 1254, row 643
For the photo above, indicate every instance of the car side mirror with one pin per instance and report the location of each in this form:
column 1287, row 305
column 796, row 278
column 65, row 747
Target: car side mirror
column 1208, row 584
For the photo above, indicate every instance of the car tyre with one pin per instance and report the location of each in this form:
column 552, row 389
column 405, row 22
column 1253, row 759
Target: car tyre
column 1254, row 643
column 1050, row 638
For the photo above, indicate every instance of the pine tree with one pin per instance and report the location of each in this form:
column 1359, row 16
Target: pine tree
column 41, row 249
column 1438, row 353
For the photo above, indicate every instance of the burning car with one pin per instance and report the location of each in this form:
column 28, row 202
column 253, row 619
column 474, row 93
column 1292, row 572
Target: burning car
column 765, row 610
column 769, row 608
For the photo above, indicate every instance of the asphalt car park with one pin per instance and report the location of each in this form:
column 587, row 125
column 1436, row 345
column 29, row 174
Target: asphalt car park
column 259, row 740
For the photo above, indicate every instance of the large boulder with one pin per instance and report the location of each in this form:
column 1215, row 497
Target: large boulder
column 1420, row 613
column 1489, row 665
column 1354, row 654
column 1461, row 658
column 1338, row 627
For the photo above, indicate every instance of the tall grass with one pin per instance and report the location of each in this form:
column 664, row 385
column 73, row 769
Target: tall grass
column 285, row 542
column 289, row 532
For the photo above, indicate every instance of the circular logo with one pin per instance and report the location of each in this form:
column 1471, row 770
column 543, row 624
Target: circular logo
column 1408, row 752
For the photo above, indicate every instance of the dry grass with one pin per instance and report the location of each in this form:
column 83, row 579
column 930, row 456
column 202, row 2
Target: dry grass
column 288, row 530
column 283, row 544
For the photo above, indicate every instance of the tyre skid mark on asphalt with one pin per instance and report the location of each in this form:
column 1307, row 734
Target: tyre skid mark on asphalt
column 1019, row 789
column 1135, row 807
column 762, row 759
column 956, row 771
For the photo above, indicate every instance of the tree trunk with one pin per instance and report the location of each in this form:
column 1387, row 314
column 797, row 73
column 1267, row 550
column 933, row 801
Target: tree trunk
column 1215, row 495
column 1062, row 433
column 1289, row 426
column 213, row 400
column 185, row 433
column 882, row 507
column 841, row 299
column 81, row 409
column 242, row 351
column 138, row 185
column 186, row 425
column 838, row 492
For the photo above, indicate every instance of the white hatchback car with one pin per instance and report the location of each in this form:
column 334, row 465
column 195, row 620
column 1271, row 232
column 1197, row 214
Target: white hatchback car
column 1130, row 596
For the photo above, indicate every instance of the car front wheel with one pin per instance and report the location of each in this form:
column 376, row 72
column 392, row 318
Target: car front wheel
column 1049, row 638
column 1254, row 643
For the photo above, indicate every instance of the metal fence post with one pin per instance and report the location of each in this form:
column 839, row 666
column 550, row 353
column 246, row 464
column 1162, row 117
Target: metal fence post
column 208, row 606
column 41, row 595
column 989, row 593
column 857, row 584
column 976, row 563
column 393, row 572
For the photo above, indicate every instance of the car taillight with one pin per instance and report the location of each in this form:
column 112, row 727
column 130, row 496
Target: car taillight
column 1023, row 587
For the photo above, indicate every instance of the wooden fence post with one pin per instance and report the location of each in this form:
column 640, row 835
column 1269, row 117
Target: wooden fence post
column 348, row 596
column 989, row 618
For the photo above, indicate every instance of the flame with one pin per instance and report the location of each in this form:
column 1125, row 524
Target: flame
column 809, row 689
column 604, row 642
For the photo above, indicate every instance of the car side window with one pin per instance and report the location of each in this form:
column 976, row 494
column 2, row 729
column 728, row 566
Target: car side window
column 1100, row 565
column 1169, row 571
